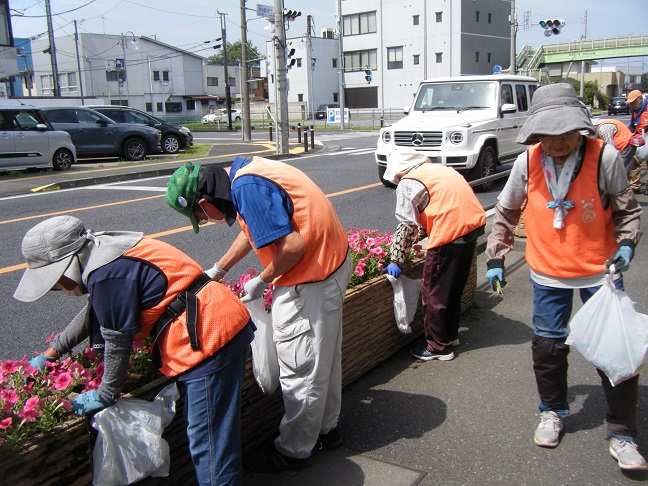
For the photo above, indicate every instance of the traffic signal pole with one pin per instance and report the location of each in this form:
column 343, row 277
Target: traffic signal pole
column 279, row 39
column 340, row 63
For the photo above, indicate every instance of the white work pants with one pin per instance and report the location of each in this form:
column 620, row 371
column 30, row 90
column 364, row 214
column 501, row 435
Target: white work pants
column 307, row 322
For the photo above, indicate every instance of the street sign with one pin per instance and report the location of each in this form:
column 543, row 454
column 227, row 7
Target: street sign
column 119, row 63
column 527, row 20
column 334, row 115
column 264, row 11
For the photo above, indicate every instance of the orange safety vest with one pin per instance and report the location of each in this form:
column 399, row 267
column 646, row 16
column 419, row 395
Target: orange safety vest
column 453, row 209
column 314, row 218
column 622, row 136
column 221, row 315
column 586, row 241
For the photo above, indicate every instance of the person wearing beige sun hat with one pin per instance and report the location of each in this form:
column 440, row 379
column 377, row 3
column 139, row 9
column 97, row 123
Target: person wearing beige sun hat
column 580, row 217
column 638, row 124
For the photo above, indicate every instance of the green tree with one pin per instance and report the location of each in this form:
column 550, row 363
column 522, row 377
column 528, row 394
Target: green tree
column 234, row 54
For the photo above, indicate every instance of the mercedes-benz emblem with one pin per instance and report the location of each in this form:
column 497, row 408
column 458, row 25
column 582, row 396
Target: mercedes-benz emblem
column 417, row 139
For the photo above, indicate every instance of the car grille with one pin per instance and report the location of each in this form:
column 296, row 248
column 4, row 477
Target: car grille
column 418, row 139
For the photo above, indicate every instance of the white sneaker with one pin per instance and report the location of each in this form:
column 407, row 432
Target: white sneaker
column 548, row 432
column 627, row 455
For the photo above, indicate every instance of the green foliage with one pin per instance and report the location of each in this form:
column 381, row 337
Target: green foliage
column 234, row 54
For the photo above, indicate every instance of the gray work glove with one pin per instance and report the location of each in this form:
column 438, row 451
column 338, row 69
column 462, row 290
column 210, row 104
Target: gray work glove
column 254, row 289
column 216, row 273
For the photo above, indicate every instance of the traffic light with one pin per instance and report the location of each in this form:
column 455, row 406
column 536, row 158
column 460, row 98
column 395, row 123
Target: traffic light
column 290, row 52
column 552, row 26
column 291, row 14
column 368, row 75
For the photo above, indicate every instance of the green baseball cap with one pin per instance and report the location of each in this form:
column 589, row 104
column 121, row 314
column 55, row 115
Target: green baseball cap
column 182, row 192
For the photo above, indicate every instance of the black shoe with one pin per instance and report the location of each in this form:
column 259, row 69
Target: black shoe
column 271, row 460
column 424, row 354
column 330, row 441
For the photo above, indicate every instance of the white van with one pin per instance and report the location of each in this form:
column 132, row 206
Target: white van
column 466, row 122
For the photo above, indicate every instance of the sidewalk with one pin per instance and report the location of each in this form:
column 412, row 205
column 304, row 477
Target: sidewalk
column 103, row 171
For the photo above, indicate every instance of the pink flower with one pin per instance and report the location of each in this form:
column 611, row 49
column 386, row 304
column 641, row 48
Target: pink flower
column 9, row 396
column 51, row 338
column 30, row 411
column 359, row 270
column 66, row 404
column 62, row 381
column 9, row 366
column 5, row 423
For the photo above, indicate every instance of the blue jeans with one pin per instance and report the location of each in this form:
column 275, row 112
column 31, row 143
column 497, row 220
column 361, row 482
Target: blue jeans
column 213, row 413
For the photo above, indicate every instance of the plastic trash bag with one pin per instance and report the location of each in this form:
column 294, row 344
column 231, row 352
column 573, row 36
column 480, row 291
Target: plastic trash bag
column 610, row 333
column 406, row 298
column 265, row 364
column 129, row 445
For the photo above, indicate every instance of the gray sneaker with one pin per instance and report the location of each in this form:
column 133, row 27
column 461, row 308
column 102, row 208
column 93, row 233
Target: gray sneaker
column 627, row 455
column 548, row 432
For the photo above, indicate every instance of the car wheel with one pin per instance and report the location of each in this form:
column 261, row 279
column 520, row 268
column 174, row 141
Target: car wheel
column 170, row 144
column 62, row 159
column 237, row 119
column 134, row 149
column 381, row 175
column 486, row 166
column 609, row 112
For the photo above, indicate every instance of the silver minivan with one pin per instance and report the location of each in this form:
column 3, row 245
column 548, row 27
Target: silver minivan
column 28, row 140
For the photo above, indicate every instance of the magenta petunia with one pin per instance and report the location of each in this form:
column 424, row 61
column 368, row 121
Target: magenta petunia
column 62, row 381
column 31, row 411
column 5, row 423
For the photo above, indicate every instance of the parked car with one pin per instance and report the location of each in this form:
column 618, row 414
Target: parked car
column 221, row 116
column 618, row 105
column 28, row 140
column 174, row 137
column 96, row 135
column 320, row 114
column 469, row 123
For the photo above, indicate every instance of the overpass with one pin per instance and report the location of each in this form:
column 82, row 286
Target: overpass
column 531, row 59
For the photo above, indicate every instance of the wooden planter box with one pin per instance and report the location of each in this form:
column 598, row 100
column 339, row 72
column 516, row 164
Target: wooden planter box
column 370, row 336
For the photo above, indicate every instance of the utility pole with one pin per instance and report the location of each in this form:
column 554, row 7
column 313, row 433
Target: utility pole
column 310, row 66
column 281, row 77
column 76, row 43
column 340, row 63
column 52, row 50
column 513, row 35
column 228, row 97
column 245, row 89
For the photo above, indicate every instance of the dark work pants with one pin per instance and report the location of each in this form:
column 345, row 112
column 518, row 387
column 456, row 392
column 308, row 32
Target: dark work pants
column 445, row 273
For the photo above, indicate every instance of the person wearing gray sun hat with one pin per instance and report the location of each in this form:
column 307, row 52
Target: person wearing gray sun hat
column 580, row 216
column 138, row 288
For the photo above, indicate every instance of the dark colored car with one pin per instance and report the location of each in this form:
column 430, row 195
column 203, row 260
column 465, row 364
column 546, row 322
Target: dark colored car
column 618, row 105
column 320, row 114
column 96, row 135
column 174, row 137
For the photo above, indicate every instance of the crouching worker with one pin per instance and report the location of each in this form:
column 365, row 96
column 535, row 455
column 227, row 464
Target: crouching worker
column 139, row 287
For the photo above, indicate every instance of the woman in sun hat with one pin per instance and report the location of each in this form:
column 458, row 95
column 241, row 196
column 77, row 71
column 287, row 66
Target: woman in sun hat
column 138, row 287
column 580, row 215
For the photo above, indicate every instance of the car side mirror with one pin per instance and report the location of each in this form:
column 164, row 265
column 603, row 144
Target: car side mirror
column 41, row 126
column 508, row 108
column 102, row 123
column 406, row 110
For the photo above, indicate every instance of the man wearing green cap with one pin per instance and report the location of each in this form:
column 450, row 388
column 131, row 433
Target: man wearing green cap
column 292, row 227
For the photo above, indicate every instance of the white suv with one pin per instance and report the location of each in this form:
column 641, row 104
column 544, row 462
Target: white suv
column 28, row 140
column 466, row 122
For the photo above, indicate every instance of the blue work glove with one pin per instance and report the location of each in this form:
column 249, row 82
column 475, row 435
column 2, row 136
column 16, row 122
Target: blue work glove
column 621, row 259
column 88, row 402
column 393, row 270
column 254, row 289
column 41, row 361
column 495, row 271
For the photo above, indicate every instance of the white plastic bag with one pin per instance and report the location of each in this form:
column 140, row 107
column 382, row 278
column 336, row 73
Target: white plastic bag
column 406, row 297
column 610, row 333
column 129, row 445
column 265, row 364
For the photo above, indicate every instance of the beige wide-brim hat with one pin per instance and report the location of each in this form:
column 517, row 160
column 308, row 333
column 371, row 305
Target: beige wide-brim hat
column 400, row 163
column 555, row 110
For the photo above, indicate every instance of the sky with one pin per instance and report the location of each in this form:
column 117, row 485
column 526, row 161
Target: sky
column 187, row 24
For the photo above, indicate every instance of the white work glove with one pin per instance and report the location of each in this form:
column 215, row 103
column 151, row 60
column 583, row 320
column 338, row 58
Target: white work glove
column 254, row 289
column 216, row 273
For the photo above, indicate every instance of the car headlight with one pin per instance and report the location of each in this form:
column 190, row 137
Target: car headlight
column 185, row 130
column 386, row 136
column 456, row 137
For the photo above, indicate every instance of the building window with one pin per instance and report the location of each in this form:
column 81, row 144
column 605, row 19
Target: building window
column 46, row 83
column 165, row 75
column 394, row 58
column 173, row 107
column 149, row 107
column 357, row 60
column 334, row 62
column 336, row 98
column 490, row 18
column 415, row 19
column 477, row 16
column 232, row 81
column 212, row 81
column 156, row 77
column 299, row 62
column 111, row 75
column 476, row 56
column 191, row 104
column 416, row 59
column 362, row 23
column 439, row 17
column 439, row 57
column 488, row 57
column 159, row 106
column 300, row 97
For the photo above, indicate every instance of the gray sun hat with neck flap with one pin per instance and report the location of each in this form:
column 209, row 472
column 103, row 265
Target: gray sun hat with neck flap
column 555, row 110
